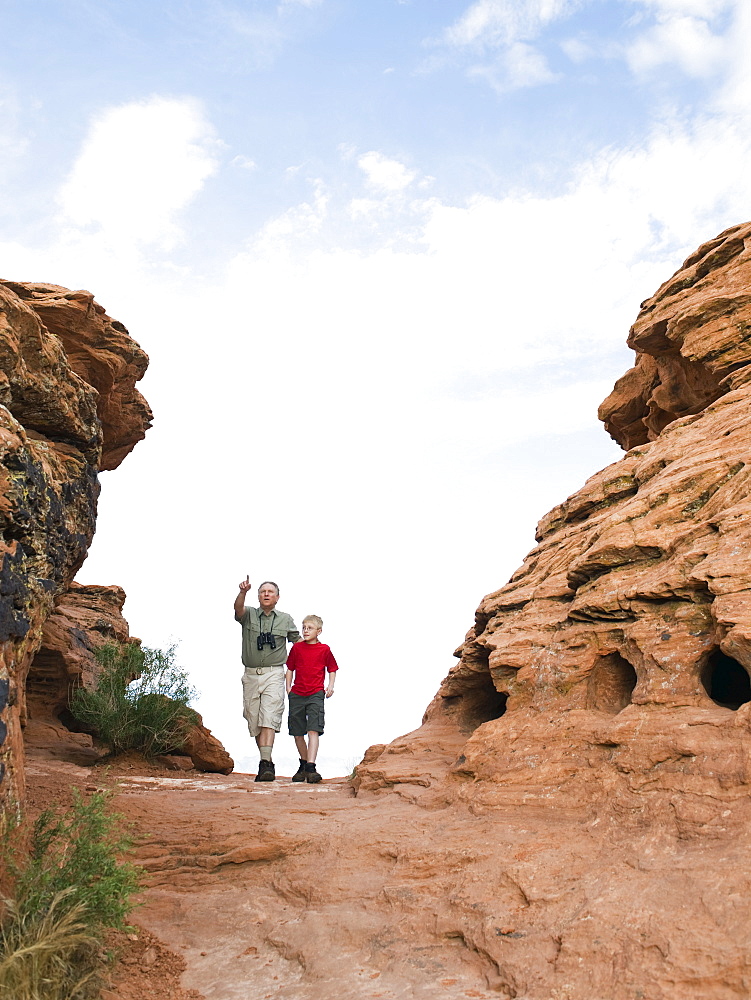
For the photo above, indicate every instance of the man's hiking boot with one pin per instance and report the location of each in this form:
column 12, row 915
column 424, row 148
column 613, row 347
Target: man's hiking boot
column 312, row 776
column 299, row 775
column 266, row 771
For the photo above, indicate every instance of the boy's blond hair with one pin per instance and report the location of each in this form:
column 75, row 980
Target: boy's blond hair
column 315, row 619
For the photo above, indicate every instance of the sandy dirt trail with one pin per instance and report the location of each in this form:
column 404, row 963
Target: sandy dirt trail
column 293, row 891
column 287, row 891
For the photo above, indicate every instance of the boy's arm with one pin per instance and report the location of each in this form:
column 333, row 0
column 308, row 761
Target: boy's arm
column 288, row 678
column 330, row 688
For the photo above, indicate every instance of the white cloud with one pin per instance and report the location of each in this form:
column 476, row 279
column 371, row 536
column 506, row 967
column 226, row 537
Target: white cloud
column 702, row 39
column 734, row 97
column 707, row 9
column 385, row 174
column 140, row 165
column 297, row 226
column 506, row 28
column 699, row 37
column 244, row 162
column 491, row 23
column 577, row 49
column 684, row 41
column 521, row 65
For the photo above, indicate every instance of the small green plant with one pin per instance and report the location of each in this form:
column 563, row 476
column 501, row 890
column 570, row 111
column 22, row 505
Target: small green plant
column 140, row 702
column 77, row 853
column 70, row 888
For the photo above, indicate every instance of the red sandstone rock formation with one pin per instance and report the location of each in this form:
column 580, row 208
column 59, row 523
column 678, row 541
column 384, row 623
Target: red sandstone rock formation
column 55, row 427
column 692, row 339
column 205, row 750
column 604, row 692
column 84, row 620
column 100, row 351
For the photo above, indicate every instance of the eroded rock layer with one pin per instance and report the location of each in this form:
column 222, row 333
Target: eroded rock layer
column 692, row 340
column 605, row 691
column 101, row 352
column 83, row 620
column 52, row 443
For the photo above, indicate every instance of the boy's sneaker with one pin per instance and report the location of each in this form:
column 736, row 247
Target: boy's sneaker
column 266, row 771
column 299, row 775
column 312, row 777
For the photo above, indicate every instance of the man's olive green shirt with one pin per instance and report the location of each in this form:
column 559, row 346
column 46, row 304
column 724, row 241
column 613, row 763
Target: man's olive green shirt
column 281, row 626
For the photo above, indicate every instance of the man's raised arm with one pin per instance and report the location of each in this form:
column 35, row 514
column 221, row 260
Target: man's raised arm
column 240, row 599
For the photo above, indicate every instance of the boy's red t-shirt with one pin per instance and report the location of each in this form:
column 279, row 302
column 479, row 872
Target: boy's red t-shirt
column 309, row 661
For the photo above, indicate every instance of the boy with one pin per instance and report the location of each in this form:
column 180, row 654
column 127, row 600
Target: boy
column 306, row 665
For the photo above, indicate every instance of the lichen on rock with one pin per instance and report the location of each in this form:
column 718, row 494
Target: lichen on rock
column 68, row 409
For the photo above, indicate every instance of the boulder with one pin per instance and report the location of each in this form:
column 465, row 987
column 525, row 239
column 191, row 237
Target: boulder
column 205, row 750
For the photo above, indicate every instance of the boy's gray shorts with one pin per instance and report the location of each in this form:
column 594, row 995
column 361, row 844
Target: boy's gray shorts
column 305, row 713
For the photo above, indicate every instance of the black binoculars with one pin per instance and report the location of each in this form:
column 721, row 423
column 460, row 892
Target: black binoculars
column 265, row 639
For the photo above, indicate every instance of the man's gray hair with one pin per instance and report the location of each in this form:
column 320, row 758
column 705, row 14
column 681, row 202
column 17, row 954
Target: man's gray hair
column 271, row 582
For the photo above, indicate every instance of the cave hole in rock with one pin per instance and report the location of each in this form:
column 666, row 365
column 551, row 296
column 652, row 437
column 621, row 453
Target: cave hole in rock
column 726, row 681
column 46, row 685
column 480, row 702
column 610, row 684
column 48, row 691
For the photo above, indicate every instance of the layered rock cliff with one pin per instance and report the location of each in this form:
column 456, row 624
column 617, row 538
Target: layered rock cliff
column 69, row 408
column 604, row 692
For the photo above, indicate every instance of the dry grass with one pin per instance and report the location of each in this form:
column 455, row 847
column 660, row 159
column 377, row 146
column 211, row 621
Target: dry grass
column 67, row 886
column 47, row 957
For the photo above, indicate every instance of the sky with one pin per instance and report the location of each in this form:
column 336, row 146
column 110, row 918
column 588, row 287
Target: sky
column 384, row 256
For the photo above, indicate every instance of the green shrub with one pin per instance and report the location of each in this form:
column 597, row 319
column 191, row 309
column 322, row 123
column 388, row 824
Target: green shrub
column 71, row 887
column 150, row 714
column 77, row 853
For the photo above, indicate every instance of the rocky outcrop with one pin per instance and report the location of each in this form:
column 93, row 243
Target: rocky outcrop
column 53, row 442
column 101, row 352
column 83, row 620
column 605, row 693
column 205, row 750
column 692, row 340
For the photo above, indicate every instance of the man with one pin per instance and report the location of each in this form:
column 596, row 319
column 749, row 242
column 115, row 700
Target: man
column 266, row 632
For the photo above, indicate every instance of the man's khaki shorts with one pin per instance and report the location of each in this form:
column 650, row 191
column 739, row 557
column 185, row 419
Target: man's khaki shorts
column 263, row 698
